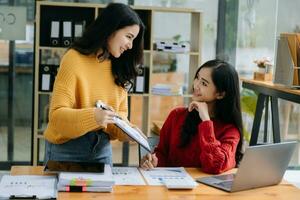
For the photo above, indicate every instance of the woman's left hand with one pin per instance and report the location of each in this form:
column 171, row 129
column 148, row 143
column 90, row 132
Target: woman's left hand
column 202, row 109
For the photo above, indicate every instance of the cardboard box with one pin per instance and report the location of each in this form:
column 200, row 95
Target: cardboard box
column 262, row 76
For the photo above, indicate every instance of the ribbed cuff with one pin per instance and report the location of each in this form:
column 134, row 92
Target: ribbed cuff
column 207, row 131
column 88, row 121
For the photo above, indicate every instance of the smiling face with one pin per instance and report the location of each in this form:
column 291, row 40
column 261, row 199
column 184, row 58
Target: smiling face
column 204, row 88
column 122, row 40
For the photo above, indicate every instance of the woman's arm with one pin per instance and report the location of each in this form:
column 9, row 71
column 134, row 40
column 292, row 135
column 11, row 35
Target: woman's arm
column 217, row 155
column 162, row 149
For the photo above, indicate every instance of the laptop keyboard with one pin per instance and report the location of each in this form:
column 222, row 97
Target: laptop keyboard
column 225, row 177
column 225, row 184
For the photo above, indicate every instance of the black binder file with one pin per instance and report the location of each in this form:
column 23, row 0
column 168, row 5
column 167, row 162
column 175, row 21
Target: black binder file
column 54, row 34
column 47, row 77
column 67, row 33
column 140, row 81
column 78, row 29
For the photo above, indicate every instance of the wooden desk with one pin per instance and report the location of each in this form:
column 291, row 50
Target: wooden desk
column 281, row 191
column 268, row 91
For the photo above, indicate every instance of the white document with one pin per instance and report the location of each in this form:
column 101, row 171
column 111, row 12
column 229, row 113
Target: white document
column 127, row 176
column 292, row 176
column 131, row 132
column 171, row 177
column 43, row 187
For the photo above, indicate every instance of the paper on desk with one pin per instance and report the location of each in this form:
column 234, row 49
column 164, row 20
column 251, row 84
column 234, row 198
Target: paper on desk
column 43, row 187
column 127, row 176
column 292, row 176
column 157, row 175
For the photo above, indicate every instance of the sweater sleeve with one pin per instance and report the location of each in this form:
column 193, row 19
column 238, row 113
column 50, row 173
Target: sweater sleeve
column 162, row 149
column 68, row 121
column 217, row 155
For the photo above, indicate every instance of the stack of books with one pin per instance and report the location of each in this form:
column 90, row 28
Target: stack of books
column 167, row 89
column 86, row 182
column 170, row 47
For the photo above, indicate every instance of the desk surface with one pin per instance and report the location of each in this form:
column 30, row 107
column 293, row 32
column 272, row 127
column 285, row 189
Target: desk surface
column 271, row 85
column 282, row 191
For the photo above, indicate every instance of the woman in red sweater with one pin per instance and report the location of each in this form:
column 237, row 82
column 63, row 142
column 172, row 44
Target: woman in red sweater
column 207, row 134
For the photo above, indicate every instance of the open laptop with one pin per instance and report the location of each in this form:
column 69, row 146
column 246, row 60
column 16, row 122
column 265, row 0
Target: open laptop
column 261, row 166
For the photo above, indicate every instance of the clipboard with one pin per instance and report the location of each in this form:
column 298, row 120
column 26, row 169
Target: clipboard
column 132, row 133
column 126, row 128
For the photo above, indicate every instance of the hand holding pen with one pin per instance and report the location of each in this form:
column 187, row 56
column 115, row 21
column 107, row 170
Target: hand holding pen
column 104, row 114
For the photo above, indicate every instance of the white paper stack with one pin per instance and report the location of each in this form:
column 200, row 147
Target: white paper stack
column 28, row 186
column 86, row 182
column 167, row 89
column 171, row 177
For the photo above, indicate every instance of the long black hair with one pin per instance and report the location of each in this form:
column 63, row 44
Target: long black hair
column 227, row 109
column 112, row 18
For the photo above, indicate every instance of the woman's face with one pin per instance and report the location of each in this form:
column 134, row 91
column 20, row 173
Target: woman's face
column 122, row 40
column 204, row 88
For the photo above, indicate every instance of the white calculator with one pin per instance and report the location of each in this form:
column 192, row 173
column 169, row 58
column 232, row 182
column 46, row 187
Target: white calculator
column 179, row 183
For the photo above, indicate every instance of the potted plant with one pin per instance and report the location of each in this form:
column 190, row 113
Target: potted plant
column 264, row 72
column 264, row 65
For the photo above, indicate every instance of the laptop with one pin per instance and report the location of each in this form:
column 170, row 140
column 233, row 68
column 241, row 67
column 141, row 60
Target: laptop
column 261, row 166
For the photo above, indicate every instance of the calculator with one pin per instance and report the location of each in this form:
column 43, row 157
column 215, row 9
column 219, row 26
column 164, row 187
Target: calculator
column 179, row 183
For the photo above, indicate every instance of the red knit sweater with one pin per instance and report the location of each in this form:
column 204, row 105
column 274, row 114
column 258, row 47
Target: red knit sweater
column 212, row 148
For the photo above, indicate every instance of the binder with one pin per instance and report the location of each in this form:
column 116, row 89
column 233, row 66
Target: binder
column 47, row 77
column 67, row 33
column 139, row 85
column 54, row 34
column 78, row 29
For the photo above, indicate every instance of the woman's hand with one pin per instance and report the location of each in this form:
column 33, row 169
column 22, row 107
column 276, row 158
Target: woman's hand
column 149, row 161
column 104, row 117
column 202, row 109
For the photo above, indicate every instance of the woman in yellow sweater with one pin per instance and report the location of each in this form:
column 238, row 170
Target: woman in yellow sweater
column 98, row 66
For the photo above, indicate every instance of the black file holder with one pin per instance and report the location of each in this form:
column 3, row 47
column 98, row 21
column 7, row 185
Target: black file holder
column 55, row 33
column 47, row 77
column 67, row 33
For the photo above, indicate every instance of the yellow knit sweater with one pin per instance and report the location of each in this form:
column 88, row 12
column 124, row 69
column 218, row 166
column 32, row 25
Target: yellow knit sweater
column 80, row 82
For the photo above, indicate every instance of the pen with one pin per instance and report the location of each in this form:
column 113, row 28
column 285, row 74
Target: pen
column 170, row 170
column 101, row 105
